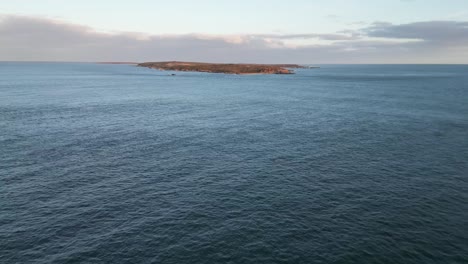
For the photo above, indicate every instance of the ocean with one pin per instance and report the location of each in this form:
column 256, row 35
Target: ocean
column 108, row 163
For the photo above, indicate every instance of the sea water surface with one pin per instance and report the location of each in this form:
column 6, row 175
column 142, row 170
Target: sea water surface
column 342, row 164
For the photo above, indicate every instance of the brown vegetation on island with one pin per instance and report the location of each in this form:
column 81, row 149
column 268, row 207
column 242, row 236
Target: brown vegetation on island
column 222, row 67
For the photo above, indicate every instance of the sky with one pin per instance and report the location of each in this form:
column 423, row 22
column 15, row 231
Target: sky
column 264, row 31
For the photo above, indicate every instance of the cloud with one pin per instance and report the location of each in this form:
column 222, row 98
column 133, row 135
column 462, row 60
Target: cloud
column 25, row 38
column 449, row 32
column 332, row 36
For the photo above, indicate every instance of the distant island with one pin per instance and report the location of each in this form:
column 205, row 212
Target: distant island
column 222, row 67
column 116, row 62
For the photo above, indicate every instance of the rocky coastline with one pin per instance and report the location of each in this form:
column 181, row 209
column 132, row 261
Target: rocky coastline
column 222, row 67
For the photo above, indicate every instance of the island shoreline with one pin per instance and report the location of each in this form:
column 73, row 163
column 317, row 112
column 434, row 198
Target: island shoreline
column 226, row 68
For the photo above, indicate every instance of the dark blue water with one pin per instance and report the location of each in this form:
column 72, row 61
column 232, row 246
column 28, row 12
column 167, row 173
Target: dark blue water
column 343, row 164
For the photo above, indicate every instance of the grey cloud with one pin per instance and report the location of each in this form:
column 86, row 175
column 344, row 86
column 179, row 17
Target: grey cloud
column 24, row 38
column 30, row 39
column 452, row 32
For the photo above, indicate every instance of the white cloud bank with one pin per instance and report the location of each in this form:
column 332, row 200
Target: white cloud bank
column 39, row 39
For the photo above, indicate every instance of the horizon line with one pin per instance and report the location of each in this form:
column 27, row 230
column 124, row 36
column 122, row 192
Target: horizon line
column 129, row 62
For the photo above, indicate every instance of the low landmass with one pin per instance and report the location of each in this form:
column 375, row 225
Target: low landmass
column 228, row 68
column 117, row 62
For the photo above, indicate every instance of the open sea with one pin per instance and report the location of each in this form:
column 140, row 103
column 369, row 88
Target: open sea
column 343, row 164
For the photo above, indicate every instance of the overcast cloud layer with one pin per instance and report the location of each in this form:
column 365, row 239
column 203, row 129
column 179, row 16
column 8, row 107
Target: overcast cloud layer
column 39, row 39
